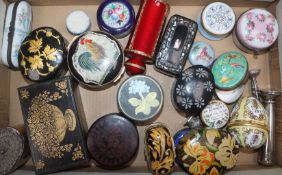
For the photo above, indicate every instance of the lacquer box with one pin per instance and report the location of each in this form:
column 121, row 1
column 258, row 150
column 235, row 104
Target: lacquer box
column 52, row 123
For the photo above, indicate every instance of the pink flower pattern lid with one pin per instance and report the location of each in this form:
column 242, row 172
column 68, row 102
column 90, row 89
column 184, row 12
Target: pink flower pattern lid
column 257, row 29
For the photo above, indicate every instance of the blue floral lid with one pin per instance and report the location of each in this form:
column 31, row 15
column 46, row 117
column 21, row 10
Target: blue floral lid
column 116, row 17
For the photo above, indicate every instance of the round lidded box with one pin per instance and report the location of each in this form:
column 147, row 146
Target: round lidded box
column 216, row 21
column 96, row 59
column 140, row 98
column 256, row 31
column 249, row 123
column 215, row 114
column 116, row 17
column 193, row 90
column 230, row 96
column 201, row 54
column 42, row 55
column 230, row 70
column 78, row 22
column 113, row 141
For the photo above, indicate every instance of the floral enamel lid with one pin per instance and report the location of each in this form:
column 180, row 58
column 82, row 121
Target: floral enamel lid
column 257, row 29
column 229, row 70
column 201, row 54
column 193, row 89
column 140, row 98
column 218, row 18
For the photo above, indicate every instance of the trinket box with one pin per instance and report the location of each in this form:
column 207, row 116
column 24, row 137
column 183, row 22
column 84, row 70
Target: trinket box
column 256, row 31
column 42, row 55
column 202, row 54
column 230, row 70
column 116, row 17
column 78, row 22
column 216, row 21
column 113, row 141
column 17, row 26
column 159, row 149
column 175, row 45
column 14, row 149
column 230, row 96
column 193, row 90
column 207, row 151
column 249, row 123
column 96, row 59
column 53, row 127
column 140, row 98
column 215, row 114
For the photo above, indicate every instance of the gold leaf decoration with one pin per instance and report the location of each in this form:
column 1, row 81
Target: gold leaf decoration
column 24, row 94
column 50, row 53
column 50, row 68
column 62, row 87
column 77, row 153
column 35, row 62
column 39, row 165
column 35, row 45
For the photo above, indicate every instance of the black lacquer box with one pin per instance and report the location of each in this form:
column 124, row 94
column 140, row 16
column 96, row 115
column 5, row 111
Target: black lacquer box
column 53, row 126
column 175, row 45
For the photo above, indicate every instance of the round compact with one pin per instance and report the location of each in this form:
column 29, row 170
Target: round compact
column 116, row 17
column 78, row 22
column 112, row 141
column 256, row 31
column 216, row 21
column 201, row 54
column 140, row 98
column 96, row 59
column 215, row 114
column 14, row 150
column 230, row 70
column 42, row 55
column 230, row 96
column 193, row 90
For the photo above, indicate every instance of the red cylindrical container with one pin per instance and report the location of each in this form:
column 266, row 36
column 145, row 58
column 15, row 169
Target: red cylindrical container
column 144, row 38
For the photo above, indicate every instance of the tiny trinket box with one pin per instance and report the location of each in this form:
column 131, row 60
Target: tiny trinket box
column 113, row 141
column 216, row 21
column 17, row 26
column 78, row 22
column 96, row 59
column 42, row 55
column 159, row 149
column 53, row 126
column 230, row 96
column 256, row 31
column 230, row 70
column 140, row 98
column 175, row 45
column 116, row 17
column 193, row 90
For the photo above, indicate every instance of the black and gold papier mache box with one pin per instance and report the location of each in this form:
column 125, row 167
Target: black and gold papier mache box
column 53, row 126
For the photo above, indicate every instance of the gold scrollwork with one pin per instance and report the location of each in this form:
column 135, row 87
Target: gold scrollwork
column 39, row 165
column 24, row 94
column 62, row 86
column 77, row 153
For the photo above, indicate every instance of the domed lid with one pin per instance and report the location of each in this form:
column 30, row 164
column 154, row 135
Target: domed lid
column 230, row 96
column 193, row 89
column 112, row 141
column 201, row 54
column 78, row 22
column 257, row 29
column 42, row 54
column 229, row 70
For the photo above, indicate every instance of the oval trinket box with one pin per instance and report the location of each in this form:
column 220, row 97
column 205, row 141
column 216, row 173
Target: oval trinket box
column 14, row 149
column 42, row 55
column 256, row 31
column 96, row 59
column 230, row 70
column 216, row 21
column 140, row 98
column 193, row 90
column 201, row 53
column 113, row 141
column 116, row 17
column 207, row 151
column 159, row 149
column 249, row 123
column 230, row 96
column 78, row 22
column 215, row 114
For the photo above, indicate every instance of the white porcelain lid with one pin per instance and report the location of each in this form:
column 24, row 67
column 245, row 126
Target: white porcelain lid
column 230, row 96
column 257, row 29
column 218, row 18
column 78, row 22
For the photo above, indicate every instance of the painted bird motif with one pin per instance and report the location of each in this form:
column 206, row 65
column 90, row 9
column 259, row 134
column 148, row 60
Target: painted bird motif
column 204, row 54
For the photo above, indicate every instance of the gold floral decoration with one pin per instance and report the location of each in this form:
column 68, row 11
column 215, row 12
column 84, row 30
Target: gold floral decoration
column 77, row 153
column 62, row 86
column 24, row 94
column 226, row 154
column 39, row 165
column 211, row 135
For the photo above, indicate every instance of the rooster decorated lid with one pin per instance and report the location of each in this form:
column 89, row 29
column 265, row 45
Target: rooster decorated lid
column 202, row 53
column 96, row 59
column 229, row 70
